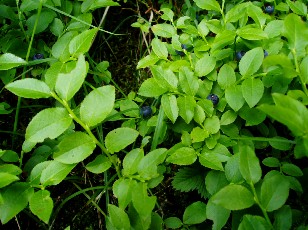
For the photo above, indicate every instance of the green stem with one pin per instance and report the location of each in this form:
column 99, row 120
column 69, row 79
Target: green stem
column 260, row 206
column 20, row 21
column 263, row 139
column 299, row 72
column 88, row 130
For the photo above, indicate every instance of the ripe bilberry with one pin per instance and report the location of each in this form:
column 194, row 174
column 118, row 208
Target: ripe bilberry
column 146, row 111
column 214, row 98
column 269, row 9
column 38, row 56
column 240, row 54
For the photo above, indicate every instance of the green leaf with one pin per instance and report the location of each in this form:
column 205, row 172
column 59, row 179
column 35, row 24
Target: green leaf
column 223, row 39
column 232, row 169
column 164, row 30
column 298, row 7
column 235, row 97
column 251, row 61
column 252, row 89
column 304, row 69
column 48, row 123
column 82, row 42
column 56, row 28
column 150, row 88
column 68, row 84
column 45, row 18
column 283, row 218
column 199, row 115
column 29, row 88
column 233, row 197
column 186, row 106
column 195, row 213
column 60, row 49
column 296, row 32
column 14, row 199
column 249, row 164
column 183, row 156
column 251, row 33
column 217, row 214
column 120, row 138
column 212, row 124
column 159, row 48
column 208, row 5
column 274, row 192
column 188, row 82
column 173, row 222
column 131, row 161
column 170, row 107
column 9, row 156
column 55, row 172
column 168, row 14
column 148, row 60
column 118, row 217
column 97, row 105
column 209, row 160
column 74, row 148
column 165, row 78
column 226, row 76
column 10, row 61
column 41, row 205
column 254, row 223
column 291, row 169
column 99, row 165
column 7, row 178
column 214, row 181
column 123, row 190
column 271, row 162
column 198, row 134
column 205, row 65
column 141, row 201
column 228, row 117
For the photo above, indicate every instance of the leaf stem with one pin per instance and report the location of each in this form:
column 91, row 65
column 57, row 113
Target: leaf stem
column 263, row 139
column 293, row 51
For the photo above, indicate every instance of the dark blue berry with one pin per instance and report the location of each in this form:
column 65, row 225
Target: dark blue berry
column 265, row 53
column 146, row 111
column 180, row 53
column 38, row 56
column 184, row 47
column 214, row 98
column 269, row 9
column 240, row 54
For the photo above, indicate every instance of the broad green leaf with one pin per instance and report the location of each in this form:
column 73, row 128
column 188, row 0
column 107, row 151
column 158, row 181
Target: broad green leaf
column 141, row 201
column 296, row 32
column 9, row 156
column 283, row 218
column 150, row 88
column 251, row 62
column 129, row 108
column 198, row 134
column 97, row 105
column 217, row 214
column 298, row 7
column 254, row 223
column 120, row 138
column 271, row 162
column 208, row 5
column 236, row 12
column 205, row 65
column 82, row 42
column 209, row 160
column 173, row 223
column 228, row 117
column 274, row 28
column 232, row 169
column 29, row 88
column 199, row 114
column 235, row 97
column 14, row 199
column 186, row 106
column 41, row 205
column 36, row 172
column 118, row 217
column 10, row 168
column 168, row 14
column 252, row 116
column 99, row 165
column 55, row 172
column 7, row 178
column 212, row 124
column 304, row 69
column 165, row 78
column 48, row 123
column 251, row 33
column 183, row 156
column 147, row 61
column 60, row 49
column 68, row 84
column 170, row 107
column 131, row 161
column 223, row 39
column 103, row 3
column 233, row 197
column 257, row 15
column 252, row 89
column 123, row 190
column 274, row 192
column 249, row 164
column 9, row 61
column 214, row 181
column 74, row 148
column 46, row 17
column 164, row 30
column 159, row 48
column 195, row 213
column 226, row 76
column 188, row 82
column 56, row 28
column 291, row 169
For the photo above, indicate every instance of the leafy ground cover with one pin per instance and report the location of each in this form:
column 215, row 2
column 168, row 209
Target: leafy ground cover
column 172, row 115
